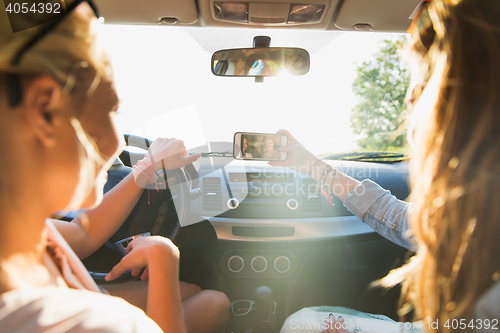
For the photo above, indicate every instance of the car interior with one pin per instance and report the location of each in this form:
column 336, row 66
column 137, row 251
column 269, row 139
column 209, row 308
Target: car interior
column 256, row 232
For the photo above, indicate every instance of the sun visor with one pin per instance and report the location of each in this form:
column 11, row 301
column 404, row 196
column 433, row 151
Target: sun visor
column 179, row 12
column 380, row 15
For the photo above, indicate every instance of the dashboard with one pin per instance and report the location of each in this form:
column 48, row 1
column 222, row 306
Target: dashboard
column 253, row 202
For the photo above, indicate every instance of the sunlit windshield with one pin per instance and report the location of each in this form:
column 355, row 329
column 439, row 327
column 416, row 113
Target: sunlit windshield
column 166, row 87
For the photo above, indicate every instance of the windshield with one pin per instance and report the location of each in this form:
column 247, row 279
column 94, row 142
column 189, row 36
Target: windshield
column 350, row 100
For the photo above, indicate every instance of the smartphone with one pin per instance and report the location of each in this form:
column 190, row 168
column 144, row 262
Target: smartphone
column 259, row 146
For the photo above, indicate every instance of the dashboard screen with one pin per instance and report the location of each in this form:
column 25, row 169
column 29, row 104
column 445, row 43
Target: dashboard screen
column 260, row 177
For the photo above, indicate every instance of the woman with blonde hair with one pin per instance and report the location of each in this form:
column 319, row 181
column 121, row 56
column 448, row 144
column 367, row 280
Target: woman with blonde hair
column 452, row 283
column 57, row 139
column 456, row 164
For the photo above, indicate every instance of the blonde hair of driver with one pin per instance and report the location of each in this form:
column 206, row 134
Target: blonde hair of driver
column 456, row 164
column 55, row 163
column 73, row 40
column 60, row 54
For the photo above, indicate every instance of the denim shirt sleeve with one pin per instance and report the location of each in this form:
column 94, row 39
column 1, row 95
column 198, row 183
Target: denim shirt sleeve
column 382, row 211
column 488, row 307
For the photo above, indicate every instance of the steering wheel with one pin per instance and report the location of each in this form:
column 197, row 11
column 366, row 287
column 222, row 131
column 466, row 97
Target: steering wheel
column 160, row 210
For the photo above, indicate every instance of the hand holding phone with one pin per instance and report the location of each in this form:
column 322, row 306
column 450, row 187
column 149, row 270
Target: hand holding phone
column 299, row 158
column 259, row 146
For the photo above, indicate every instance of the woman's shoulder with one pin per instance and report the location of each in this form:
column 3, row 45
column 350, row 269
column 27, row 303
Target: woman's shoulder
column 70, row 310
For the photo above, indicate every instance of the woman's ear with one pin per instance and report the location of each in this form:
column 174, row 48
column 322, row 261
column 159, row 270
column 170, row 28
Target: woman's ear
column 42, row 104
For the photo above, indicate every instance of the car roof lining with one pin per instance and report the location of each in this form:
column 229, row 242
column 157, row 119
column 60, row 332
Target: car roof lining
column 343, row 15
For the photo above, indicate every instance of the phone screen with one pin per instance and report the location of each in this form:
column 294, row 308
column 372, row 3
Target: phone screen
column 259, row 146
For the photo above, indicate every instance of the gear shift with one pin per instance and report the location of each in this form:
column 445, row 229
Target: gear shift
column 263, row 305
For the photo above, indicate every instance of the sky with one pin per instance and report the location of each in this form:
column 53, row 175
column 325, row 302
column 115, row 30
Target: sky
column 166, row 87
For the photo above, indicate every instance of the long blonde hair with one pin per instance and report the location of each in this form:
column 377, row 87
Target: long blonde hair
column 455, row 169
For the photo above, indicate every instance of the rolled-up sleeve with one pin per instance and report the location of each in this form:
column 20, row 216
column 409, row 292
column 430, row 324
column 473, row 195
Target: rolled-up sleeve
column 382, row 211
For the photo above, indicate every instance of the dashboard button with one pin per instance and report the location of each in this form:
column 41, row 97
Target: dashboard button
column 235, row 264
column 282, row 264
column 292, row 204
column 233, row 203
column 258, row 264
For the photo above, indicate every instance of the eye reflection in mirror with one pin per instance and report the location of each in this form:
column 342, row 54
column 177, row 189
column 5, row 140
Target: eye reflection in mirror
column 260, row 62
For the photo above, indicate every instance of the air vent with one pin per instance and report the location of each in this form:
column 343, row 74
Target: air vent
column 212, row 195
column 312, row 198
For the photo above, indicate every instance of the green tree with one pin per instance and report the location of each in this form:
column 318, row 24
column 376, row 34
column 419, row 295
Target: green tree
column 381, row 85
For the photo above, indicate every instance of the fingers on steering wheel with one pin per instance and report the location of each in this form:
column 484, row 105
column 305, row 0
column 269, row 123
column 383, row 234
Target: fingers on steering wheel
column 115, row 272
column 145, row 274
column 125, row 264
column 159, row 144
column 191, row 159
column 178, row 147
column 173, row 149
column 130, row 245
column 184, row 159
column 135, row 272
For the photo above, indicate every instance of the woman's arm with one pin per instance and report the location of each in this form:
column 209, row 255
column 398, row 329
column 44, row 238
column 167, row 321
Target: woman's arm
column 302, row 160
column 93, row 227
column 375, row 206
column 383, row 212
column 161, row 256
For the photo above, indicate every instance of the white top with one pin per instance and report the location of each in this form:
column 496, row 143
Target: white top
column 82, row 309
column 55, row 310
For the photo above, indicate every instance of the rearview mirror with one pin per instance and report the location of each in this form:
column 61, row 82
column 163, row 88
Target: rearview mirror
column 258, row 62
